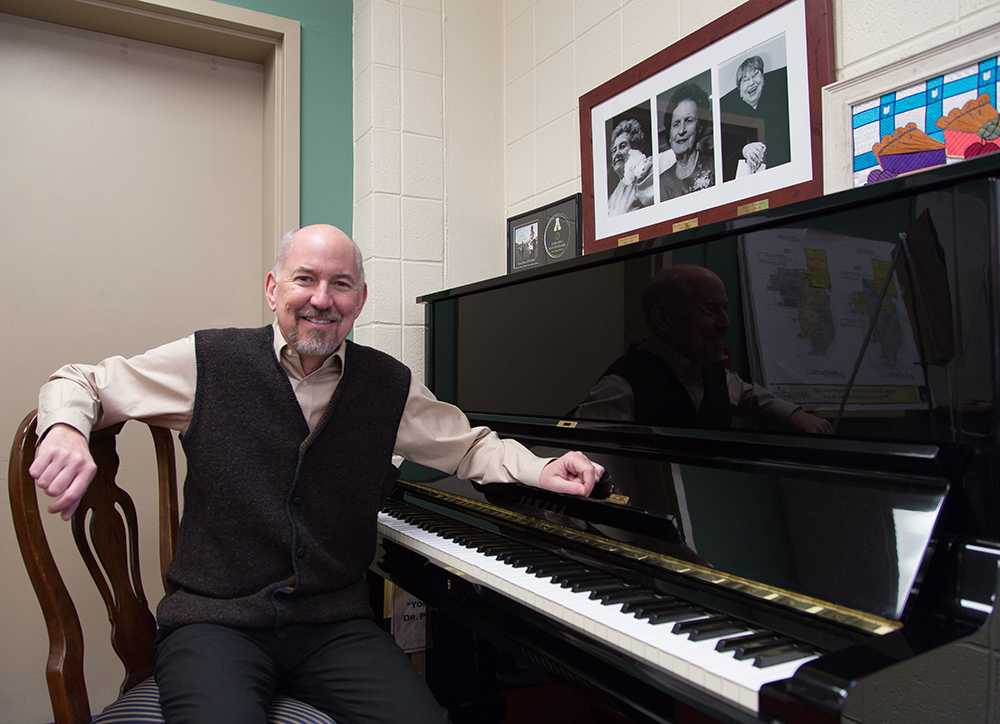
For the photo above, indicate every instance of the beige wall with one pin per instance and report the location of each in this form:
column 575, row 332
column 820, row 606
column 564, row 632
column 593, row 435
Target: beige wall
column 131, row 185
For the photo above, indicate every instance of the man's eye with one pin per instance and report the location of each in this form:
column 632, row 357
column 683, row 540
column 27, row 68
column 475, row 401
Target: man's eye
column 303, row 280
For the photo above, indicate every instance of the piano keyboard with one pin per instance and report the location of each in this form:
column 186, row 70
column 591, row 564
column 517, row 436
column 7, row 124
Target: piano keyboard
column 727, row 657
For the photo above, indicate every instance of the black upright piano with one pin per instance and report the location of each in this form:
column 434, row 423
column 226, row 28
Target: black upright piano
column 735, row 564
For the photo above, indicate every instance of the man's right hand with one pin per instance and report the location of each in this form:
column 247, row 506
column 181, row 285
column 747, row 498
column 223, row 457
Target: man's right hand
column 63, row 468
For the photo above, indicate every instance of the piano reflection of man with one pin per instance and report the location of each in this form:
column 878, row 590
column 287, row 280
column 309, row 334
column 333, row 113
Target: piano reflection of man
column 676, row 376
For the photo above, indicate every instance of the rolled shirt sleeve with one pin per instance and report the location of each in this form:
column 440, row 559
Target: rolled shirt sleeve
column 439, row 435
column 156, row 387
column 747, row 397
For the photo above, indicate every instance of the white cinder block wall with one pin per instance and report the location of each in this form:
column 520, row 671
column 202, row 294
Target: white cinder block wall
column 466, row 113
column 398, row 168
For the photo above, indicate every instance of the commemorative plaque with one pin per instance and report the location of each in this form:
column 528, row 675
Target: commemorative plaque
column 544, row 235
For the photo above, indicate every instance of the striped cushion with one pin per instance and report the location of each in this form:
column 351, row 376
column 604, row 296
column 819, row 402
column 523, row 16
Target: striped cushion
column 141, row 705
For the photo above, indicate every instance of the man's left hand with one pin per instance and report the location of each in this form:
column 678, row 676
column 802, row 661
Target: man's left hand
column 807, row 422
column 573, row 473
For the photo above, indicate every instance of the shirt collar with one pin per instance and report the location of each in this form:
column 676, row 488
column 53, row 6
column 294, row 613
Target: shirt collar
column 287, row 355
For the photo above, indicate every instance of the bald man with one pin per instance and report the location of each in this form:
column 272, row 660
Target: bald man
column 288, row 431
column 676, row 377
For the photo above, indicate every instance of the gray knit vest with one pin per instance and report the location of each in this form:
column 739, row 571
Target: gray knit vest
column 279, row 524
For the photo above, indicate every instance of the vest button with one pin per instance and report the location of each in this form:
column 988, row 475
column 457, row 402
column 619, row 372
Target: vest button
column 297, row 501
column 301, row 552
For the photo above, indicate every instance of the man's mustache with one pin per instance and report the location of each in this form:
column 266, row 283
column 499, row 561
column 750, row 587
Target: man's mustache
column 314, row 315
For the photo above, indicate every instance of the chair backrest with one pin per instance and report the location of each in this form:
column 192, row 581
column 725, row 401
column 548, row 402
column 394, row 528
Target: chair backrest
column 105, row 530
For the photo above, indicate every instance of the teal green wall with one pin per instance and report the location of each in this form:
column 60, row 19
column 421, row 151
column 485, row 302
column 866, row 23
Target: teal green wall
column 327, row 153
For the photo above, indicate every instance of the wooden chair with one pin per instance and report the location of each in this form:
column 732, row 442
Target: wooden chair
column 112, row 556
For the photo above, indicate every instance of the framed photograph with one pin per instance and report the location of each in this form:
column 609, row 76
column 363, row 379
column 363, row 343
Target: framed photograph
column 937, row 107
column 722, row 123
column 545, row 235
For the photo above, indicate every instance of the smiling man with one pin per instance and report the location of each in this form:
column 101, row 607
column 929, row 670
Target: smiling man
column 288, row 431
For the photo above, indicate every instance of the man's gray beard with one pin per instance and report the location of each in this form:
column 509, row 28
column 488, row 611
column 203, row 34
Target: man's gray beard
column 315, row 345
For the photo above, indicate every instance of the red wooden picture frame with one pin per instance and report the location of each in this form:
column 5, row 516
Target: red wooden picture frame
column 715, row 48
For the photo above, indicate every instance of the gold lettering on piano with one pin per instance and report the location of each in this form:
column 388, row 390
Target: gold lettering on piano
column 566, row 423
column 753, row 207
column 618, row 499
column 686, row 224
column 626, row 240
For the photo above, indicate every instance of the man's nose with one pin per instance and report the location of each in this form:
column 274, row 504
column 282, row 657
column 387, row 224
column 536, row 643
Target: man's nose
column 321, row 298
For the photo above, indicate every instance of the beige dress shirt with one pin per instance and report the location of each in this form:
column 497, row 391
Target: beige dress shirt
column 158, row 387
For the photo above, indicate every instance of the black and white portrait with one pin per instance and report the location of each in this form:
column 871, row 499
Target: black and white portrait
column 754, row 110
column 684, row 131
column 630, row 160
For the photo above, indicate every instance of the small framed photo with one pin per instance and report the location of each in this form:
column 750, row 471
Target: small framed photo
column 544, row 235
column 722, row 123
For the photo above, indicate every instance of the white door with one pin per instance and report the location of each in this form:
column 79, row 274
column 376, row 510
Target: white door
column 131, row 193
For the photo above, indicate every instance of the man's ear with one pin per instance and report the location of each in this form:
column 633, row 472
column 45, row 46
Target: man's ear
column 364, row 297
column 270, row 286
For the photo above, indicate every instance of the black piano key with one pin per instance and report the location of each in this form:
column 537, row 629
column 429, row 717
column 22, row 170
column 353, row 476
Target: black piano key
column 610, row 586
column 475, row 538
column 418, row 518
column 730, row 644
column 523, row 553
column 749, row 651
column 516, row 554
column 679, row 614
column 652, row 608
column 526, row 560
column 587, row 575
column 633, row 606
column 537, row 557
column 688, row 627
column 780, row 656
column 703, row 630
column 705, row 634
column 449, row 528
column 610, row 598
column 590, row 583
column 434, row 527
column 564, row 578
column 490, row 546
column 506, row 548
column 548, row 570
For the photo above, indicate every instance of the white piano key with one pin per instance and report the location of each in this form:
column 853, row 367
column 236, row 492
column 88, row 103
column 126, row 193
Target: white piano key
column 696, row 662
